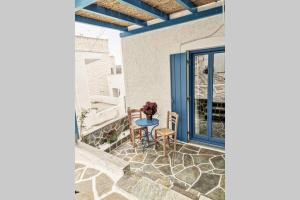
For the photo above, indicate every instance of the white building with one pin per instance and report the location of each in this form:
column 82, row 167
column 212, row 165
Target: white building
column 99, row 82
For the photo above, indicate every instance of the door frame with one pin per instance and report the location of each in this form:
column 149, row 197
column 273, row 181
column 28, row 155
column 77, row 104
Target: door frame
column 208, row 137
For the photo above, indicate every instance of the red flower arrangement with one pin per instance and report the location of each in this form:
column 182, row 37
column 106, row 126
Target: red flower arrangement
column 150, row 108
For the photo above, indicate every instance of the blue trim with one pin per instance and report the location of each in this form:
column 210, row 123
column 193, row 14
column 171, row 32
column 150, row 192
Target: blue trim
column 188, row 5
column 179, row 20
column 146, row 8
column 184, row 111
column 178, row 70
column 79, row 4
column 104, row 11
column 204, row 138
column 206, row 51
column 173, row 88
column 210, row 94
column 99, row 23
column 76, row 128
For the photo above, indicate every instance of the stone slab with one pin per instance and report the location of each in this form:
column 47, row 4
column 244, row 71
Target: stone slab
column 146, row 189
column 103, row 184
column 166, row 170
column 188, row 161
column 114, row 196
column 90, row 172
column 218, row 162
column 188, row 175
column 206, row 182
column 162, row 160
column 217, row 194
column 85, row 189
column 199, row 159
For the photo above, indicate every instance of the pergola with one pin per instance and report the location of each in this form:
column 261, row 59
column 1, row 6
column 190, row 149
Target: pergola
column 138, row 16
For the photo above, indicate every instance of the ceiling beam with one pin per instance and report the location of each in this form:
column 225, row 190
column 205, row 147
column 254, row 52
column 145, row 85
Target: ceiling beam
column 79, row 4
column 99, row 23
column 188, row 5
column 111, row 13
column 175, row 21
column 146, row 8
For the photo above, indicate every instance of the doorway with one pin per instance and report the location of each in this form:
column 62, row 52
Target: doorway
column 207, row 96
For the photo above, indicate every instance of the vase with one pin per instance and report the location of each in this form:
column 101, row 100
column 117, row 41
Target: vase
column 149, row 117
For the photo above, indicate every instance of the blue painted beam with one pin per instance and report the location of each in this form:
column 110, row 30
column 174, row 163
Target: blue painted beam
column 188, row 5
column 99, row 23
column 179, row 20
column 79, row 4
column 139, row 5
column 104, row 11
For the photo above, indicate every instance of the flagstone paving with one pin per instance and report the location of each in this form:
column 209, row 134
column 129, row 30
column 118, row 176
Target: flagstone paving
column 193, row 171
column 91, row 184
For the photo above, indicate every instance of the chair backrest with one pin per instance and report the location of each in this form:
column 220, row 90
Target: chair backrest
column 172, row 121
column 134, row 114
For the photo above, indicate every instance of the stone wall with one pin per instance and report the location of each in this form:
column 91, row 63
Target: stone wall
column 97, row 137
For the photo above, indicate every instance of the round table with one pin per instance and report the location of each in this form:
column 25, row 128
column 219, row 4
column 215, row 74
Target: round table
column 147, row 123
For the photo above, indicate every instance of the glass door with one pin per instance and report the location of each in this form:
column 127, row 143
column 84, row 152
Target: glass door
column 200, row 77
column 218, row 100
column 207, row 90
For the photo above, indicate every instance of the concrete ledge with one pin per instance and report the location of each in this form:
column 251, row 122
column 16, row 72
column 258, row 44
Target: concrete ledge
column 106, row 162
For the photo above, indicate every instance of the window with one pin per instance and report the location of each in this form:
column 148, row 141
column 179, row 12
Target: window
column 118, row 70
column 116, row 92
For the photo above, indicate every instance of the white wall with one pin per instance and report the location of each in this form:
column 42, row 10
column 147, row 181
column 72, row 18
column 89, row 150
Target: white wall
column 117, row 81
column 98, row 72
column 94, row 80
column 146, row 59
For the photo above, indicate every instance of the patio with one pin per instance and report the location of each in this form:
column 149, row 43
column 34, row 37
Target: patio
column 194, row 171
column 173, row 55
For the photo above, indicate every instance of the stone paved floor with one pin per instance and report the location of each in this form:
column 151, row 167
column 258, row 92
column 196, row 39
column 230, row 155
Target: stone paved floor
column 92, row 184
column 191, row 170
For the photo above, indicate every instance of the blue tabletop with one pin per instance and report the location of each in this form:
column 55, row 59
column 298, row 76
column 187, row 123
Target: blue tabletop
column 146, row 122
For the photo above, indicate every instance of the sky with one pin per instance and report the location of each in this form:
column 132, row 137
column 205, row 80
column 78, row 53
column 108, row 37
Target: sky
column 114, row 40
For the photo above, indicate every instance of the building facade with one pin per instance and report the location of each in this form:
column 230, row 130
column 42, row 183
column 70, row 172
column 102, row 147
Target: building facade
column 99, row 82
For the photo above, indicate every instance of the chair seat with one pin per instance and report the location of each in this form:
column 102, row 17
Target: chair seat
column 165, row 131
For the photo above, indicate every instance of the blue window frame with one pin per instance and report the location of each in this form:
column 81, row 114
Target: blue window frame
column 208, row 138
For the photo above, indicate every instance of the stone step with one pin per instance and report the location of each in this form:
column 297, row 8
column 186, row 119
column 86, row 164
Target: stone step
column 143, row 188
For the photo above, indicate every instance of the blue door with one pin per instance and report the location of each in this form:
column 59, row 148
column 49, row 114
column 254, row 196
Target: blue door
column 198, row 95
column 207, row 91
column 179, row 92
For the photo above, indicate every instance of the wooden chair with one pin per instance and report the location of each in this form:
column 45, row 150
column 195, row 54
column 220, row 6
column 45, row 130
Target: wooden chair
column 166, row 133
column 134, row 114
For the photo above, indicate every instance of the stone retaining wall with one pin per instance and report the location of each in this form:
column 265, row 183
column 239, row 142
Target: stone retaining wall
column 97, row 137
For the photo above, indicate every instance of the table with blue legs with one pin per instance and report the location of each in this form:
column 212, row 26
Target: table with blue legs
column 145, row 123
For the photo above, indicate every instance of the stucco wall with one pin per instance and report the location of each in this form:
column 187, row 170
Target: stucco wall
column 98, row 73
column 91, row 44
column 146, row 59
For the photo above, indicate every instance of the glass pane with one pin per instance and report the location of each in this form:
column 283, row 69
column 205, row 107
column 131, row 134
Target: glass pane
column 200, row 94
column 218, row 107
